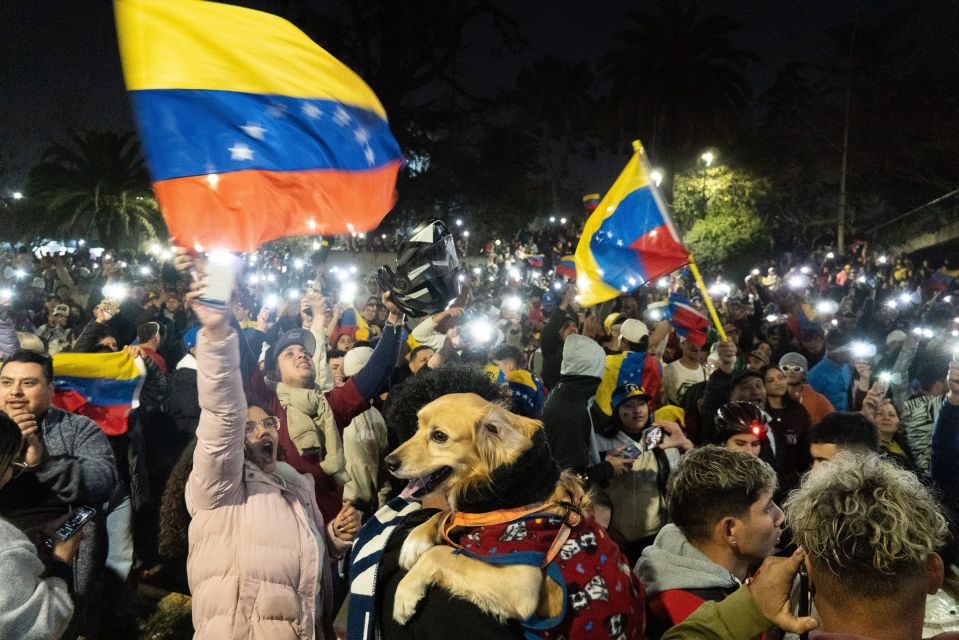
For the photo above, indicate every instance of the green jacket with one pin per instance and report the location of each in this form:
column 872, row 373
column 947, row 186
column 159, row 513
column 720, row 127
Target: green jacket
column 735, row 618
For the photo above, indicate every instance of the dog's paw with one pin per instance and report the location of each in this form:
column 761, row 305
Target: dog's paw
column 408, row 595
column 413, row 549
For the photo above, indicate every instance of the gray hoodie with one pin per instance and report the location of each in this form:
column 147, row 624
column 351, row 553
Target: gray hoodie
column 582, row 356
column 672, row 562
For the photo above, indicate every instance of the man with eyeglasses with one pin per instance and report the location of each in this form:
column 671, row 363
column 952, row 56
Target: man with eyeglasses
column 794, row 367
column 67, row 462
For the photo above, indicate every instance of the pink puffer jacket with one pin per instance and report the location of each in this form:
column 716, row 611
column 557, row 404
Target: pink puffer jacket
column 254, row 561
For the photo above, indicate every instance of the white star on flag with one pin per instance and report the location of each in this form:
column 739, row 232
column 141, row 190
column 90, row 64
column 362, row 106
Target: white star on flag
column 276, row 110
column 369, row 154
column 341, row 117
column 310, row 110
column 362, row 135
column 253, row 130
column 619, row 243
column 240, row 151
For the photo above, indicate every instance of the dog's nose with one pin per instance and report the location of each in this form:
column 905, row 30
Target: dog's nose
column 392, row 463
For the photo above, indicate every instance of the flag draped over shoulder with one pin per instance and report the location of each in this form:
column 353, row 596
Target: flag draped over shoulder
column 251, row 130
column 633, row 367
column 629, row 239
column 687, row 320
column 105, row 387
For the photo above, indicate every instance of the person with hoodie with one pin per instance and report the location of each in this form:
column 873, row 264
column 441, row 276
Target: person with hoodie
column 650, row 450
column 566, row 416
column 724, row 522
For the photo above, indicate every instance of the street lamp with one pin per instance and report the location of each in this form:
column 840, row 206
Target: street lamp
column 707, row 157
column 17, row 195
column 656, row 176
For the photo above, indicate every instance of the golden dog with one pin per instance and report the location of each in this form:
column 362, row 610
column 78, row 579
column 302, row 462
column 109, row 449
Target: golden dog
column 460, row 441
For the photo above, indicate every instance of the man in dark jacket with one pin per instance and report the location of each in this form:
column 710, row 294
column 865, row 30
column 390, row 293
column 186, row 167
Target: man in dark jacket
column 566, row 416
column 69, row 464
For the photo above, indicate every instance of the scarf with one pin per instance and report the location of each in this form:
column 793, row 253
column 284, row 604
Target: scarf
column 312, row 428
column 365, row 559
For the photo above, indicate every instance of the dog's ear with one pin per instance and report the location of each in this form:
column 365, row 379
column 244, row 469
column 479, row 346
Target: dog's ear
column 501, row 436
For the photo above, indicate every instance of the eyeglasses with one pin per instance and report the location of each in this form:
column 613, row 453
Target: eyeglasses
column 270, row 423
column 795, row 368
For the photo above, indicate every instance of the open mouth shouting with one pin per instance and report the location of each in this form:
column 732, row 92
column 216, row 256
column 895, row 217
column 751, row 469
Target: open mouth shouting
column 419, row 486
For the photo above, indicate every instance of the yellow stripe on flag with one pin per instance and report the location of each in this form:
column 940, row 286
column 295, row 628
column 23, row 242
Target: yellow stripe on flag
column 194, row 44
column 115, row 366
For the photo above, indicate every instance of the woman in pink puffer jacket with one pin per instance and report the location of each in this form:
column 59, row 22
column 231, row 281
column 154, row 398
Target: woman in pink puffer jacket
column 259, row 565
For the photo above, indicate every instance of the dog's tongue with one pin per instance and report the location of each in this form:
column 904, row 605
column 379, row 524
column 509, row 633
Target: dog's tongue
column 414, row 486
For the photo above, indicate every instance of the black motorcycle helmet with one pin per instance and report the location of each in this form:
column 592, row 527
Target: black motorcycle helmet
column 740, row 417
column 426, row 278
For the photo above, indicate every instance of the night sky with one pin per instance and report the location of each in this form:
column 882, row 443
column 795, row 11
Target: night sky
column 61, row 68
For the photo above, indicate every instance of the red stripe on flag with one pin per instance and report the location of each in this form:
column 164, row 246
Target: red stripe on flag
column 243, row 209
column 659, row 253
column 111, row 418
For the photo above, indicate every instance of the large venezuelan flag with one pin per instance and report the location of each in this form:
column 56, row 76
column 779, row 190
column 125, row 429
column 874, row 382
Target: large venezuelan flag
column 105, row 387
column 629, row 240
column 251, row 130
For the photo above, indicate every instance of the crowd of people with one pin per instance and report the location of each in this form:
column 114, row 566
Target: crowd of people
column 815, row 434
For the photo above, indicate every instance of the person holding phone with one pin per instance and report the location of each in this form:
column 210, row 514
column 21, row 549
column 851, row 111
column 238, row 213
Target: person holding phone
column 643, row 452
column 35, row 599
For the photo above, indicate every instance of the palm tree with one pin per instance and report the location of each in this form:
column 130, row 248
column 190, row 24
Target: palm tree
column 96, row 185
column 677, row 80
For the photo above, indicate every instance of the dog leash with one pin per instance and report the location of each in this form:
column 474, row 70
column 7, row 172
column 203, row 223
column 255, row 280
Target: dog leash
column 571, row 518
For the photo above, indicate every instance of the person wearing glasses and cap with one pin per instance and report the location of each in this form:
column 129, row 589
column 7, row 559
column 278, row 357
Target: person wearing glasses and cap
column 794, row 367
column 259, row 561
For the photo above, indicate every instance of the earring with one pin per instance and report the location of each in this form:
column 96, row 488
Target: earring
column 732, row 541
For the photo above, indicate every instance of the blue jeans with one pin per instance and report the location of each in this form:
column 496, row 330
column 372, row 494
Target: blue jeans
column 120, row 539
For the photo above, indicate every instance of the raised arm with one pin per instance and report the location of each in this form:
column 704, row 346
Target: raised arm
column 351, row 399
column 218, row 460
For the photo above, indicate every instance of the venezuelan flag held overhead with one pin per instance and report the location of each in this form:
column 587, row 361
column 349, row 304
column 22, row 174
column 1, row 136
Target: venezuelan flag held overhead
column 629, row 239
column 105, row 387
column 251, row 130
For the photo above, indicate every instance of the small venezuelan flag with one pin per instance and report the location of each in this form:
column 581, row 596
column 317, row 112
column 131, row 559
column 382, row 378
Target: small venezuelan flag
column 251, row 130
column 567, row 267
column 590, row 202
column 687, row 320
column 536, row 261
column 629, row 240
column 103, row 387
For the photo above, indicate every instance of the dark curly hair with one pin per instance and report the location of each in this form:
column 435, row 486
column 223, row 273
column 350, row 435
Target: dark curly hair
column 174, row 518
column 419, row 390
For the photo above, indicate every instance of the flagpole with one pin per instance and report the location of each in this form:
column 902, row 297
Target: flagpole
column 707, row 299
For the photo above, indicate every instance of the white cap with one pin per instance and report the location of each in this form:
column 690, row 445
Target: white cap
column 355, row 359
column 895, row 336
column 633, row 330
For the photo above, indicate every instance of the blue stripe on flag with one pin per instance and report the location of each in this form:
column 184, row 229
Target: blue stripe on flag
column 190, row 132
column 99, row 391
